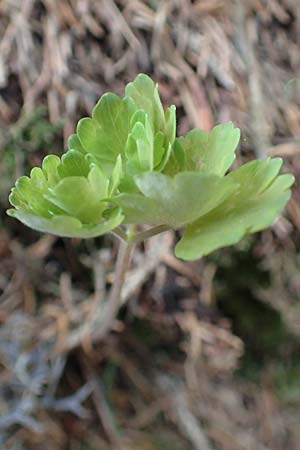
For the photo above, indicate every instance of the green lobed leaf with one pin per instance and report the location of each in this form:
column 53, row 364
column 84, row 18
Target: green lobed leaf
column 66, row 226
column 205, row 152
column 144, row 150
column 73, row 163
column 135, row 127
column 144, row 92
column 71, row 187
column 174, row 201
column 253, row 207
column 105, row 134
column 50, row 166
column 74, row 143
column 28, row 194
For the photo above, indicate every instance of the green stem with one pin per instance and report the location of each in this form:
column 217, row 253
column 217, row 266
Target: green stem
column 122, row 264
column 126, row 245
column 114, row 302
column 139, row 237
column 120, row 233
column 130, row 236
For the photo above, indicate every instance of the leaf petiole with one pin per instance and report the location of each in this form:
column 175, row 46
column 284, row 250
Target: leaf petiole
column 131, row 237
column 120, row 233
column 139, row 237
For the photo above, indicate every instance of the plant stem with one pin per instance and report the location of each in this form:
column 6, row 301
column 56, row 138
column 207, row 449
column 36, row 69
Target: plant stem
column 127, row 242
column 100, row 325
column 114, row 301
column 120, row 233
column 123, row 259
column 139, row 237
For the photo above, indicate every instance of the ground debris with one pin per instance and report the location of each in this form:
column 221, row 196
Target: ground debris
column 165, row 377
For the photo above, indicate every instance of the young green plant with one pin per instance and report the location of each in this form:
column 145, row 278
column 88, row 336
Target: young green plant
column 125, row 168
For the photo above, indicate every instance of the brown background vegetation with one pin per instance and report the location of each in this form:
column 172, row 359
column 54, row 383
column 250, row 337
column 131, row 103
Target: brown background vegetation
column 205, row 355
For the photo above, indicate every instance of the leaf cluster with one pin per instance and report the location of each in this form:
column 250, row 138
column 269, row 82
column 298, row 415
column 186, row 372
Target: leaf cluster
column 125, row 165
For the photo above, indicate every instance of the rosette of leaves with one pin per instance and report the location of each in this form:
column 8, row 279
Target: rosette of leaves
column 67, row 196
column 135, row 127
column 125, row 166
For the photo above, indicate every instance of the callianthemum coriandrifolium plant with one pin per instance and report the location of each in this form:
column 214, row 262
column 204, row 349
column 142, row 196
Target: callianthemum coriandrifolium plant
column 125, row 167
